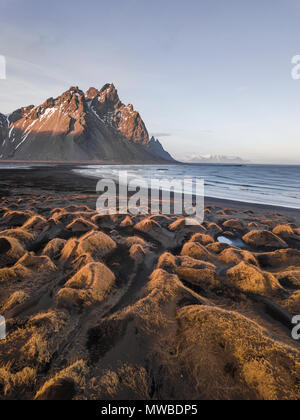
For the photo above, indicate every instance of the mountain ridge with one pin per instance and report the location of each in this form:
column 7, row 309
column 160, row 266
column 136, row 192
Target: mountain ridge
column 79, row 126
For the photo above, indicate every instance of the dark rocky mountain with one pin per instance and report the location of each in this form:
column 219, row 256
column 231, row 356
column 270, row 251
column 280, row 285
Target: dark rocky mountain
column 78, row 126
column 157, row 148
column 3, row 130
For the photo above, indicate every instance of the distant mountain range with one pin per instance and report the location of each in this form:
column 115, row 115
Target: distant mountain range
column 78, row 126
column 214, row 159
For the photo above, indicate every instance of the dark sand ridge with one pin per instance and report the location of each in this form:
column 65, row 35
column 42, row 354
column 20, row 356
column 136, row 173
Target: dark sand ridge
column 143, row 307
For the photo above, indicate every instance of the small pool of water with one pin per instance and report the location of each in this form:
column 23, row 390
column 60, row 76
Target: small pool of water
column 231, row 241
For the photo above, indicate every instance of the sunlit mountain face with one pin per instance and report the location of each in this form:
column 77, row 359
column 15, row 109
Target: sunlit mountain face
column 79, row 126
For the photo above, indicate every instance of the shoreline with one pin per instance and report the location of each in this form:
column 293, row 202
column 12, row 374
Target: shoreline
column 106, row 163
column 64, row 179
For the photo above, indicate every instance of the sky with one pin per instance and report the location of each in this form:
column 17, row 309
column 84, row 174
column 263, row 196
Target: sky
column 207, row 76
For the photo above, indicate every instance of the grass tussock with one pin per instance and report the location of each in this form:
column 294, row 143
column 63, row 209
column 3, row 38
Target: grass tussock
column 16, row 385
column 90, row 285
column 292, row 304
column 38, row 264
column 196, row 251
column 15, row 218
column 280, row 258
column 13, row 274
column 54, row 248
column 263, row 239
column 129, row 382
column 95, row 244
column 251, row 279
column 37, row 349
column 65, row 384
column 162, row 293
column 81, row 226
column 193, row 271
column 35, row 224
column 13, row 254
column 202, row 238
column 284, row 231
column 20, row 234
column 43, row 337
column 233, row 256
column 227, row 356
column 16, row 298
column 137, row 253
column 134, row 240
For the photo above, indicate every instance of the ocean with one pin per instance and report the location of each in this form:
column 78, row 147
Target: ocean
column 277, row 185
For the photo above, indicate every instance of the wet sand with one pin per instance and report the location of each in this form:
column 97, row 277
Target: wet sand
column 20, row 183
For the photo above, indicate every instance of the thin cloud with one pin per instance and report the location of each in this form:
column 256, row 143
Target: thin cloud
column 160, row 134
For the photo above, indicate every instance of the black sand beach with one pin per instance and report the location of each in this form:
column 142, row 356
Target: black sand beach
column 116, row 307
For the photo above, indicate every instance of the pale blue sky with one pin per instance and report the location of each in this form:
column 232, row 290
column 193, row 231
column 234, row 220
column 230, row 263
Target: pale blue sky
column 208, row 76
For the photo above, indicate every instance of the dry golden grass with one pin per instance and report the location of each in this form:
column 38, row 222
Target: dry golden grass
column 37, row 263
column 202, row 239
column 167, row 261
column 166, row 341
column 178, row 225
column 126, row 222
column 134, row 240
column 15, row 217
column 292, row 304
column 137, row 253
column 162, row 293
column 193, row 271
column 35, row 224
column 264, row 239
column 22, row 235
column 234, row 224
column 251, row 279
column 14, row 254
column 81, row 225
column 16, row 384
column 196, row 251
column 96, row 244
column 90, row 285
column 16, row 298
column 73, row 375
column 68, row 252
column 214, row 229
column 227, row 356
column 284, row 231
column 15, row 273
column 289, row 277
column 52, row 320
column 54, row 248
column 198, row 277
column 156, row 232
column 128, row 382
column 280, row 259
column 37, row 349
column 217, row 247
column 147, row 226
column 235, row 256
column 27, row 266
column 42, row 337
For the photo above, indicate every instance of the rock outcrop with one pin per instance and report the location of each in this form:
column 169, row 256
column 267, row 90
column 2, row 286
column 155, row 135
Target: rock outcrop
column 157, row 148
